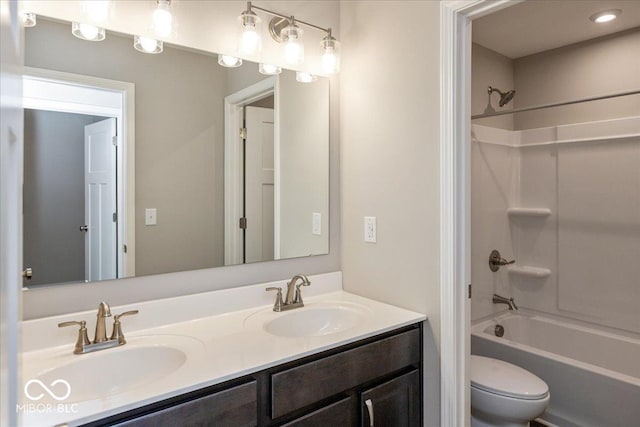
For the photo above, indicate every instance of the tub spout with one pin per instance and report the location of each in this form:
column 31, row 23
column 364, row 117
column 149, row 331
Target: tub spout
column 497, row 299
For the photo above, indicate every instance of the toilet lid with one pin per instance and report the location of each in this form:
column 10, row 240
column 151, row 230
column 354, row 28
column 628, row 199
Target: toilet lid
column 506, row 379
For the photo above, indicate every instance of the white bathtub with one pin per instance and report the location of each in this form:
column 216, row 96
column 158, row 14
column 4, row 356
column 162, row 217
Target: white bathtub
column 593, row 375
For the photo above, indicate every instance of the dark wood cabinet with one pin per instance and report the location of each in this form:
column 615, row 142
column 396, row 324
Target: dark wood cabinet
column 381, row 375
column 233, row 407
column 395, row 403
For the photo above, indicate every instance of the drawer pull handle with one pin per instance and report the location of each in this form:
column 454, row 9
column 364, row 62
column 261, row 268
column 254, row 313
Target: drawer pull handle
column 369, row 404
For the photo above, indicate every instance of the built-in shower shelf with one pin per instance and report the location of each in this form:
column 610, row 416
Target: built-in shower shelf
column 528, row 212
column 527, row 271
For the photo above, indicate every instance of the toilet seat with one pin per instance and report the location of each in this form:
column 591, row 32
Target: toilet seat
column 505, row 379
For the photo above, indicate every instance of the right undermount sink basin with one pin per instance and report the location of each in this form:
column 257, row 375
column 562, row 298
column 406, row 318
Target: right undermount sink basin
column 312, row 320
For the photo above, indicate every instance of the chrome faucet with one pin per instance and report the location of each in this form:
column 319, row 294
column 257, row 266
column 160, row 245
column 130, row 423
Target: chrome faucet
column 100, row 341
column 497, row 299
column 293, row 298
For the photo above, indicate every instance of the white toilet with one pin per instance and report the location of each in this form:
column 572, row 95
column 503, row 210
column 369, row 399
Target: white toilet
column 505, row 395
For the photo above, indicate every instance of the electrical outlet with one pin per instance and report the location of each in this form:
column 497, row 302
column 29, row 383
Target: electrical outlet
column 370, row 231
column 150, row 216
column 316, row 225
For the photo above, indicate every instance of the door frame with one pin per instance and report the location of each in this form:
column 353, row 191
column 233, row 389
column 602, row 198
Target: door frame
column 233, row 174
column 110, row 98
column 455, row 206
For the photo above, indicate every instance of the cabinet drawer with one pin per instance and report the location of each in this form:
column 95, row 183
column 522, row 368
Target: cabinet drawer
column 337, row 414
column 236, row 406
column 303, row 385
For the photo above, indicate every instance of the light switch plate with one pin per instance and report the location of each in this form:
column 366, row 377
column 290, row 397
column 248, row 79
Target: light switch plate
column 150, row 216
column 316, row 226
column 370, row 229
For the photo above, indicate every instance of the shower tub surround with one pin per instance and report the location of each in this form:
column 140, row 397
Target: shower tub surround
column 221, row 331
column 564, row 202
column 593, row 373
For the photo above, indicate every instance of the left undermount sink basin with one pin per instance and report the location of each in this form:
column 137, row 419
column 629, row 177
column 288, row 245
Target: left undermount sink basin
column 98, row 375
column 312, row 320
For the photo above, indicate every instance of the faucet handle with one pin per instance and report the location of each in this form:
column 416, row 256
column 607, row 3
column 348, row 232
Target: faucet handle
column 83, row 338
column 277, row 306
column 117, row 334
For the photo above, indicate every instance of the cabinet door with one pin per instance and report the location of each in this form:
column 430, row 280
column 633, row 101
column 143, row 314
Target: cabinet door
column 395, row 403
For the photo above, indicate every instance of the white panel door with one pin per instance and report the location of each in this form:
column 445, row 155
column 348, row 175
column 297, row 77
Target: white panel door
column 100, row 200
column 259, row 190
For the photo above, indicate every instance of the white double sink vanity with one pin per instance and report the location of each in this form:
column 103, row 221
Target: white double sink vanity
column 227, row 357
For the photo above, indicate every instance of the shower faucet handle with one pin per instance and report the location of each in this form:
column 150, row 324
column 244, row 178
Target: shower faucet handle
column 496, row 261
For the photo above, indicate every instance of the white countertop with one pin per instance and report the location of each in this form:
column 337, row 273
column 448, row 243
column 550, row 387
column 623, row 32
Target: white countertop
column 221, row 347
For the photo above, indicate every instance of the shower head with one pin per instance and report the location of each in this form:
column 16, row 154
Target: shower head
column 505, row 97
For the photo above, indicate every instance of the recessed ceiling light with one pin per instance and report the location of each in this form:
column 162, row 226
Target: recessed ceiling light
column 605, row 16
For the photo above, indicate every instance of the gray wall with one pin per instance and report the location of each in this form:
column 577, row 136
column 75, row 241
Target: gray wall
column 600, row 66
column 489, row 68
column 179, row 140
column 54, row 195
column 390, row 136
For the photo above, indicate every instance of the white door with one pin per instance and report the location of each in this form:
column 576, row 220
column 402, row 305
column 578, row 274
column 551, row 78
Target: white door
column 259, row 190
column 100, row 200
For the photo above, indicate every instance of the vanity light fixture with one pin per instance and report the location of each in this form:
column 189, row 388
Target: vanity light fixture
column 163, row 18
column 147, row 45
column 286, row 29
column 293, row 48
column 605, row 16
column 331, row 55
column 87, row 32
column 269, row 70
column 251, row 39
column 229, row 61
column 303, row 77
column 28, row 19
column 96, row 10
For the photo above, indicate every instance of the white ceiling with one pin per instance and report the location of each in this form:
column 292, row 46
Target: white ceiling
column 538, row 25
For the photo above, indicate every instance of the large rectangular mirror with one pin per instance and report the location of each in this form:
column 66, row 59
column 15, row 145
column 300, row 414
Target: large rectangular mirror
column 139, row 164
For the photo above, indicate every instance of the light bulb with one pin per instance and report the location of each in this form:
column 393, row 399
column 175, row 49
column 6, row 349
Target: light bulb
column 269, row 70
column 303, row 77
column 229, row 61
column 147, row 44
column 28, row 19
column 97, row 10
column 163, row 19
column 605, row 16
column 87, row 32
column 250, row 40
column 293, row 48
column 331, row 55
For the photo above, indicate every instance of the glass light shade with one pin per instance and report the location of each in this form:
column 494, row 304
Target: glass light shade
column 303, row 77
column 269, row 70
column 163, row 19
column 250, row 39
column 97, row 10
column 28, row 19
column 147, row 45
column 331, row 55
column 229, row 61
column 293, row 46
column 88, row 32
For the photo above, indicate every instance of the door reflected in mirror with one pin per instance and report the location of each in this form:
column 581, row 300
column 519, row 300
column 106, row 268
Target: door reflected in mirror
column 210, row 166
